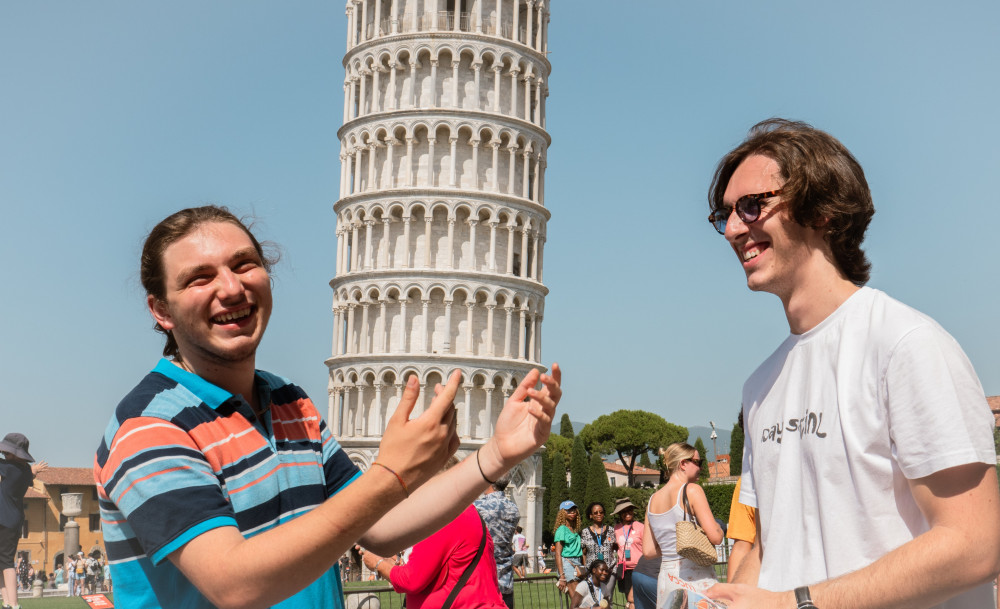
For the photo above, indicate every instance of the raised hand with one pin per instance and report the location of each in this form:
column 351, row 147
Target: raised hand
column 525, row 420
column 417, row 449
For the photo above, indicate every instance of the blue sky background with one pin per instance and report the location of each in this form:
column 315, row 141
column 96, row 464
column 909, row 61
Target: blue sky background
column 115, row 114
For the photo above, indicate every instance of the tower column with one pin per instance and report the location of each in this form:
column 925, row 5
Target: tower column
column 450, row 262
column 492, row 260
column 368, row 244
column 524, row 252
column 506, row 332
column 472, row 243
column 363, row 345
column 520, row 336
column 427, row 323
column 447, row 326
column 489, row 329
column 406, row 242
column 468, row 333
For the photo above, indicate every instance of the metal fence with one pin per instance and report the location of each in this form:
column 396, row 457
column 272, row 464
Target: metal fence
column 533, row 592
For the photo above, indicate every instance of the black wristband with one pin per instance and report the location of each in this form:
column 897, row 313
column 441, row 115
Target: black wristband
column 802, row 598
column 481, row 472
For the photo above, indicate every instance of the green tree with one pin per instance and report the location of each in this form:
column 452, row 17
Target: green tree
column 996, row 439
column 598, row 488
column 558, row 490
column 566, row 427
column 578, row 468
column 559, row 444
column 700, row 447
column 644, row 460
column 547, row 495
column 720, row 499
column 736, row 451
column 629, row 433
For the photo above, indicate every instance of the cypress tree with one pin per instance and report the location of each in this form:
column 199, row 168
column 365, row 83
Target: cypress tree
column 736, row 451
column 578, row 467
column 547, row 495
column 566, row 427
column 700, row 447
column 644, row 460
column 598, row 488
column 559, row 492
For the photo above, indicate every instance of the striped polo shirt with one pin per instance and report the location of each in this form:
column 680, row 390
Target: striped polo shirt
column 181, row 456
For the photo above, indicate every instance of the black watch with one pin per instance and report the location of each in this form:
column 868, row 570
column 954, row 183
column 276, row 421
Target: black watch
column 802, row 598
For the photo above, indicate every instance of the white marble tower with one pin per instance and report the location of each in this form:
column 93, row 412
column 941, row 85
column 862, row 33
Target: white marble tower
column 441, row 218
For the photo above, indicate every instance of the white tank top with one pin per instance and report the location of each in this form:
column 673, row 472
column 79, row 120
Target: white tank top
column 664, row 526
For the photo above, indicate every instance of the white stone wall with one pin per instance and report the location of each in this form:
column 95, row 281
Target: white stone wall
column 441, row 220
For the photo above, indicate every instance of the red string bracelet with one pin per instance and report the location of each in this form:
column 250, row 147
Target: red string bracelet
column 406, row 491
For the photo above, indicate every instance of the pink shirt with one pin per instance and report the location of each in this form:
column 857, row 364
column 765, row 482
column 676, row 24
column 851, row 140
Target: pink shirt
column 438, row 562
column 629, row 536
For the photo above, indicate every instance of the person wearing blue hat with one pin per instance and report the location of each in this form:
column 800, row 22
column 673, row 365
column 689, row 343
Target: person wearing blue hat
column 569, row 551
column 16, row 476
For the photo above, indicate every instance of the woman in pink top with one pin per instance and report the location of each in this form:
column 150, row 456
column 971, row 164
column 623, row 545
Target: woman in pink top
column 437, row 563
column 628, row 535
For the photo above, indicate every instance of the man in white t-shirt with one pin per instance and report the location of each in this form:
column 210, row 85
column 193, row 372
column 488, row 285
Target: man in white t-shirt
column 521, row 561
column 868, row 451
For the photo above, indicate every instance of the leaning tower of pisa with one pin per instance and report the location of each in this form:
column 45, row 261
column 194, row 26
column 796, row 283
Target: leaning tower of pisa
column 441, row 219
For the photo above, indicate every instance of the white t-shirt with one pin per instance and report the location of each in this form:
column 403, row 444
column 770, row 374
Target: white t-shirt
column 837, row 420
column 589, row 600
column 520, row 543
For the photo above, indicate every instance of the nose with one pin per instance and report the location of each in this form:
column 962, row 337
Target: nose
column 228, row 285
column 735, row 226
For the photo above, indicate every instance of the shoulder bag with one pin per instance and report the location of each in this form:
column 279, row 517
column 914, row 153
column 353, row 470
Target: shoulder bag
column 692, row 543
column 468, row 570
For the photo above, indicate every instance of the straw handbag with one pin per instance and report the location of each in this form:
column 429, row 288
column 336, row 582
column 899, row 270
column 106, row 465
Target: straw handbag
column 692, row 543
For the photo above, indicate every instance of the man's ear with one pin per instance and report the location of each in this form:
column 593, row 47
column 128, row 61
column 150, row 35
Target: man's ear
column 160, row 312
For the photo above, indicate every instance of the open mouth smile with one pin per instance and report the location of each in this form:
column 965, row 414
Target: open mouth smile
column 233, row 316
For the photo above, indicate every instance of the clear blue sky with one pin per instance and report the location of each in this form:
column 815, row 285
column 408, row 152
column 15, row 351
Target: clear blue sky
column 115, row 114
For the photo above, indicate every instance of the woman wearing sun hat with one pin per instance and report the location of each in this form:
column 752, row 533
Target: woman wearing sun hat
column 15, row 478
column 628, row 535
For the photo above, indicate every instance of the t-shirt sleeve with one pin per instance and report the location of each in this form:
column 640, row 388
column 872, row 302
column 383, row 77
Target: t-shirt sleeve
column 562, row 534
column 162, row 485
column 748, row 490
column 937, row 411
column 741, row 519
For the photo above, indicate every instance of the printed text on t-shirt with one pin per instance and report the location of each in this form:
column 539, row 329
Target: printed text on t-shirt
column 809, row 423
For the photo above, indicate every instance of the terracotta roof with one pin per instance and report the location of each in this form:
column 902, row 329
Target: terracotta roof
column 638, row 470
column 718, row 469
column 33, row 494
column 67, row 476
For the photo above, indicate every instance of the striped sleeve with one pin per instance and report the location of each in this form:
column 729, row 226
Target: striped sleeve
column 162, row 486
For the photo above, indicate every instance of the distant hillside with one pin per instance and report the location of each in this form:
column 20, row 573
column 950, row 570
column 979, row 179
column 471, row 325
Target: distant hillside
column 705, row 433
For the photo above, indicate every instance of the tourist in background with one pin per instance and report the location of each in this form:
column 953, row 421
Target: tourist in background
column 644, row 576
column 628, row 536
column 501, row 515
column 569, row 552
column 460, row 550
column 522, row 563
column 598, row 541
column 666, row 509
column 16, row 476
column 591, row 591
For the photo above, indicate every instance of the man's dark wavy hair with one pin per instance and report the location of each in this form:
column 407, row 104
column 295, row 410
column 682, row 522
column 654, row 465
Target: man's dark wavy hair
column 824, row 186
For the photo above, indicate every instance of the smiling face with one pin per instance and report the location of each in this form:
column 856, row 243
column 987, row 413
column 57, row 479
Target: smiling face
column 217, row 295
column 774, row 250
column 600, row 573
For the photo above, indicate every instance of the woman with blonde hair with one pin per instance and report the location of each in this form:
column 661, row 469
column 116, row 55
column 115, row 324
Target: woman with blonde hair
column 667, row 508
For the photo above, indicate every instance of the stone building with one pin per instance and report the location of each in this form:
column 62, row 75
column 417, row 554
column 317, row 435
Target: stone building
column 43, row 534
column 441, row 220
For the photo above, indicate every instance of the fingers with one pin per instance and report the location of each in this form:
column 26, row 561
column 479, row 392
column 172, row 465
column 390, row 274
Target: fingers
column 529, row 381
column 407, row 402
column 442, row 404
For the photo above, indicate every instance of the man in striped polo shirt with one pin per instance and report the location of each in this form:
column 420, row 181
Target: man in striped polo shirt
column 221, row 486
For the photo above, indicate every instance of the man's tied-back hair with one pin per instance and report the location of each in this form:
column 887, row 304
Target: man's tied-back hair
column 824, row 186
column 173, row 228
